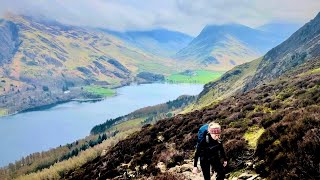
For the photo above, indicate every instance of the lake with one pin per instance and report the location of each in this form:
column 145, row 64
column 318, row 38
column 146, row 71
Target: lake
column 35, row 131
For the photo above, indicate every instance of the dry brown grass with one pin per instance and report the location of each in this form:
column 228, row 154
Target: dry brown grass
column 58, row 170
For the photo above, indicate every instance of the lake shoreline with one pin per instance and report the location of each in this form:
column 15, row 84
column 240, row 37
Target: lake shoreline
column 40, row 130
column 80, row 97
column 51, row 105
column 72, row 95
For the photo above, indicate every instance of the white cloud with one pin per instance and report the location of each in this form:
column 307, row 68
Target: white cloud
column 188, row 16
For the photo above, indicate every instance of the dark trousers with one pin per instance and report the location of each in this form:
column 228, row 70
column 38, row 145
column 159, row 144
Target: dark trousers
column 215, row 164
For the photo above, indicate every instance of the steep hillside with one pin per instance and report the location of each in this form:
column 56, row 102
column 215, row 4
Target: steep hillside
column 300, row 47
column 61, row 52
column 230, row 83
column 9, row 41
column 160, row 42
column 225, row 46
column 285, row 111
column 146, row 115
column 43, row 57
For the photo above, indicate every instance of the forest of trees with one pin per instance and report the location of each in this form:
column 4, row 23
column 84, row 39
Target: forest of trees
column 151, row 112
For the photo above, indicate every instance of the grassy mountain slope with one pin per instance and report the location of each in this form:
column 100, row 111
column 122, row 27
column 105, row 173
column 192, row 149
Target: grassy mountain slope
column 223, row 47
column 50, row 49
column 43, row 58
column 9, row 41
column 230, row 83
column 270, row 106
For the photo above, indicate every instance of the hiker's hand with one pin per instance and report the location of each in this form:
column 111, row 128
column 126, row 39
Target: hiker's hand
column 195, row 170
column 225, row 163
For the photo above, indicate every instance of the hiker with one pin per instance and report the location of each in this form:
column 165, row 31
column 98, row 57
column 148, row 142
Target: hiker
column 210, row 150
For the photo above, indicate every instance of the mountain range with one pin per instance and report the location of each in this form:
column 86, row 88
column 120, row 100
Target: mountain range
column 38, row 54
column 221, row 46
column 69, row 53
column 268, row 107
column 160, row 42
column 271, row 121
column 300, row 47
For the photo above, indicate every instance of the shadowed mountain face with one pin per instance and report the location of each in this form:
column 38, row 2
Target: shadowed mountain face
column 9, row 41
column 160, row 42
column 229, row 45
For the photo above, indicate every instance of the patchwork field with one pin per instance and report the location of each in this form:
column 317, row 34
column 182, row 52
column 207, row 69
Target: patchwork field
column 100, row 91
column 198, row 77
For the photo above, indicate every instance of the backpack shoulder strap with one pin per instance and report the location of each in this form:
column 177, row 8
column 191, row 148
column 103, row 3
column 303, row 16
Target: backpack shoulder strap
column 207, row 138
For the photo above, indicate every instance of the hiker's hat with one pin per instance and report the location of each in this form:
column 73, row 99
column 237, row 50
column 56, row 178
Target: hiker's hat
column 214, row 128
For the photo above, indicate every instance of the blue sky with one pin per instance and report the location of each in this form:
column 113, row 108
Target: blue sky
column 188, row 16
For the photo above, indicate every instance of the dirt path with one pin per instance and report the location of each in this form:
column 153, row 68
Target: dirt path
column 186, row 171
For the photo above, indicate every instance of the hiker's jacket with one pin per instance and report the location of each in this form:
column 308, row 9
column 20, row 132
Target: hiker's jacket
column 209, row 149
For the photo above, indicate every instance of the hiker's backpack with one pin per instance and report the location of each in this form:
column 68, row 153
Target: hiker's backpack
column 203, row 131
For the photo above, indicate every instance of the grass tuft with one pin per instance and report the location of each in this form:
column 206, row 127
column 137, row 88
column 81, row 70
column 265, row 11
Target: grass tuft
column 252, row 136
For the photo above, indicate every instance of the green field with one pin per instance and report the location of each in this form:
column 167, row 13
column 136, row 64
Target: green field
column 101, row 91
column 3, row 112
column 197, row 77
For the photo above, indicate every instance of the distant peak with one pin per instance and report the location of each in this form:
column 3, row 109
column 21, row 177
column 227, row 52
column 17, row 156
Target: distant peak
column 224, row 27
column 231, row 28
column 234, row 25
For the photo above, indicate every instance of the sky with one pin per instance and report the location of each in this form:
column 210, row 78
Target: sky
column 187, row 16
